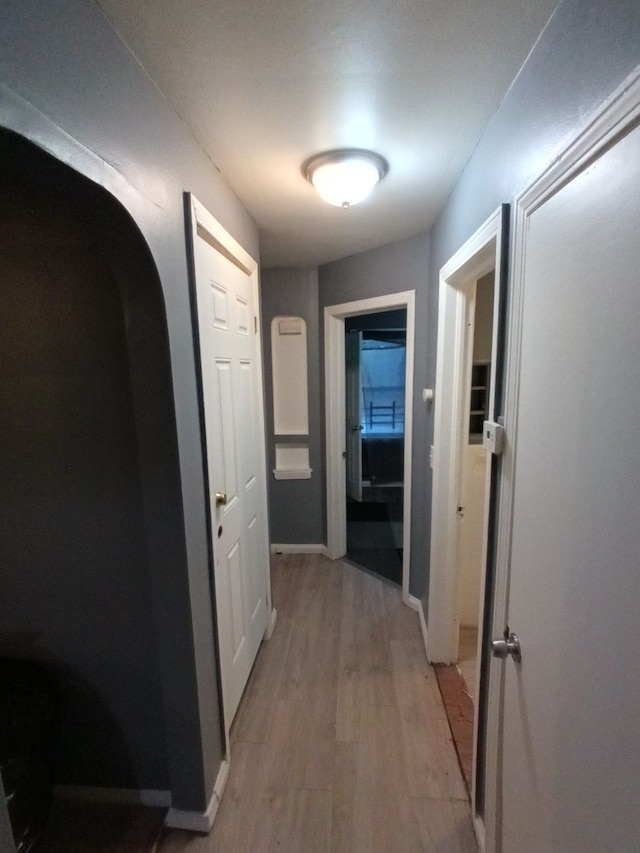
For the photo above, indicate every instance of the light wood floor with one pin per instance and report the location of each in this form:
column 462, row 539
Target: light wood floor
column 468, row 658
column 341, row 741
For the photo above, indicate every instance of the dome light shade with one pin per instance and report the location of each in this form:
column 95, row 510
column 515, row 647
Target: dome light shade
column 346, row 176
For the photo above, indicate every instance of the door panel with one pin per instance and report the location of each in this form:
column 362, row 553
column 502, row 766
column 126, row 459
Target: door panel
column 246, row 394
column 571, row 758
column 234, row 436
column 227, row 450
column 236, row 603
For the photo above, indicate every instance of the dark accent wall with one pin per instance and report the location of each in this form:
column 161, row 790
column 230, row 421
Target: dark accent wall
column 79, row 473
column 391, row 269
column 71, row 86
column 296, row 508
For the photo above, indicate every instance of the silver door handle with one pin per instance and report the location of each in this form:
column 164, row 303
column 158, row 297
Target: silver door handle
column 221, row 499
column 507, row 646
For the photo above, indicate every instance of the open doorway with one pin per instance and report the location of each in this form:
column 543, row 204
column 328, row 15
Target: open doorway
column 459, row 681
column 335, row 319
column 375, row 368
column 475, row 481
column 465, row 476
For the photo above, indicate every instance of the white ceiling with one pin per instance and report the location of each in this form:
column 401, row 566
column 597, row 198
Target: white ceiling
column 263, row 84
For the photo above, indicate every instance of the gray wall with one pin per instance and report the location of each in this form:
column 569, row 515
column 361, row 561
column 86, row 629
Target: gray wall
column 296, row 508
column 390, row 269
column 586, row 51
column 76, row 591
column 70, row 85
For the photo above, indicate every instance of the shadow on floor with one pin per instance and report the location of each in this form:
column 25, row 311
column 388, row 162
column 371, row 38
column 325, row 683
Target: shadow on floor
column 77, row 827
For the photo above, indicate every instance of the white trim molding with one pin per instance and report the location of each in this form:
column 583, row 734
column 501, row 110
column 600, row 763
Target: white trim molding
column 481, row 254
column 334, row 355
column 478, row 256
column 200, row 821
column 415, row 604
column 271, row 624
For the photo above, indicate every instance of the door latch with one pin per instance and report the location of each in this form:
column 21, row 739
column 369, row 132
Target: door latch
column 493, row 437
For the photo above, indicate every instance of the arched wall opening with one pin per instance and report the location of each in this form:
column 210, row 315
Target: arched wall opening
column 90, row 501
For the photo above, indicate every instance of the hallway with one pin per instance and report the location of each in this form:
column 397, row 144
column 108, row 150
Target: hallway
column 341, row 741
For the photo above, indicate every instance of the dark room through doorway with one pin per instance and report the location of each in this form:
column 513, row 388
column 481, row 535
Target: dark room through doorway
column 375, row 359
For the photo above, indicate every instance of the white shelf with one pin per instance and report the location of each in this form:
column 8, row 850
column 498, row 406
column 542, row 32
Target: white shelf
column 292, row 474
column 292, row 462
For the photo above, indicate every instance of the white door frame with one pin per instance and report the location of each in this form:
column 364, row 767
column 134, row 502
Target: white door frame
column 479, row 255
column 205, row 226
column 334, row 360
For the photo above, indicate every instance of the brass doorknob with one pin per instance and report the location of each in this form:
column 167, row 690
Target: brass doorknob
column 221, row 499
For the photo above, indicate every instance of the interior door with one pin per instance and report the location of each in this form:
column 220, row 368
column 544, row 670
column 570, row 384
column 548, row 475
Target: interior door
column 230, row 377
column 571, row 761
column 353, row 347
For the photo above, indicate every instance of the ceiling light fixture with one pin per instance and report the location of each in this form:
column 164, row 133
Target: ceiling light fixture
column 345, row 176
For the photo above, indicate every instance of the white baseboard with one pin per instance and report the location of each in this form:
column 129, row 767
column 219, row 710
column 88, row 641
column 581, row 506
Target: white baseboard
column 271, row 624
column 128, row 796
column 299, row 549
column 415, row 604
column 200, row 821
column 479, row 830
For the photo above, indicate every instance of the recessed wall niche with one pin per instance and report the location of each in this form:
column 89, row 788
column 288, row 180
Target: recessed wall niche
column 289, row 368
